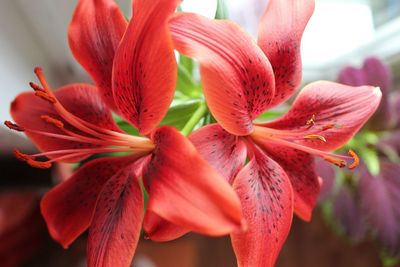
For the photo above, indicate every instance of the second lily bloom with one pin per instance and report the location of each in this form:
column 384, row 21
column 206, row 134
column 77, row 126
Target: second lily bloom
column 241, row 79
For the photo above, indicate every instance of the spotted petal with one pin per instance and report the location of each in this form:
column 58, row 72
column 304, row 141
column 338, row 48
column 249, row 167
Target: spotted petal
column 237, row 78
column 185, row 190
column 82, row 100
column 338, row 112
column 94, row 35
column 115, row 230
column 225, row 152
column 69, row 207
column 300, row 168
column 145, row 70
column 266, row 195
column 279, row 36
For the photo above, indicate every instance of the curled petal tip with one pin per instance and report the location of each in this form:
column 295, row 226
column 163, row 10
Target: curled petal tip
column 377, row 91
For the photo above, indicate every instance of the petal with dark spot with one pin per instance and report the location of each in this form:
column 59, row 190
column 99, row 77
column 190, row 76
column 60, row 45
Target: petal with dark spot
column 145, row 71
column 186, row 191
column 225, row 152
column 237, row 78
column 94, row 35
column 279, row 36
column 115, row 229
column 68, row 208
column 266, row 195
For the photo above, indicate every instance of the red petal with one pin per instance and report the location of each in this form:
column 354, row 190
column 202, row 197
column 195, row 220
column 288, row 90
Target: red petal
column 237, row 78
column 158, row 229
column 68, row 208
column 82, row 100
column 266, row 196
column 115, row 230
column 300, row 168
column 145, row 71
column 94, row 34
column 279, row 36
column 225, row 152
column 186, row 190
column 344, row 107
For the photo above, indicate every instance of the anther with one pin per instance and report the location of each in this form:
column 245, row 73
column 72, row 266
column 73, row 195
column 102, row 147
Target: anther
column 338, row 162
column 31, row 161
column 36, row 87
column 355, row 158
column 46, row 96
column 311, row 121
column 21, row 156
column 315, row 136
column 39, row 164
column 53, row 121
column 14, row 126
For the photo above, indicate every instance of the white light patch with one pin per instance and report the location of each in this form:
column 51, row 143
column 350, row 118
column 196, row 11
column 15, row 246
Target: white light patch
column 207, row 8
column 336, row 28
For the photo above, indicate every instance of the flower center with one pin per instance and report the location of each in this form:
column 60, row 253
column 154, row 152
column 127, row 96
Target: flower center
column 92, row 139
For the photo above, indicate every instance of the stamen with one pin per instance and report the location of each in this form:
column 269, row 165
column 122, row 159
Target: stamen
column 14, row 126
column 311, row 121
column 53, row 121
column 355, row 158
column 338, row 162
column 315, row 136
column 46, row 96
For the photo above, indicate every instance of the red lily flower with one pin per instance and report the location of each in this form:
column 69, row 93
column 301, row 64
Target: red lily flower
column 241, row 80
column 73, row 123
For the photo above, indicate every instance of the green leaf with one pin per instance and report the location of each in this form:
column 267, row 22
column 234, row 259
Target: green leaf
column 269, row 115
column 186, row 84
column 371, row 159
column 222, row 10
column 187, row 63
column 176, row 116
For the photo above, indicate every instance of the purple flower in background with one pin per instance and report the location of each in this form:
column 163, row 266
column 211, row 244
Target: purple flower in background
column 373, row 72
column 367, row 201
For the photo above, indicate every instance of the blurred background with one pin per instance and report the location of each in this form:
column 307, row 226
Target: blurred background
column 34, row 32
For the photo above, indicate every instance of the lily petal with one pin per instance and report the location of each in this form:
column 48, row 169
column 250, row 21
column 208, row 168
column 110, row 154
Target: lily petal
column 279, row 36
column 266, row 195
column 69, row 207
column 338, row 112
column 115, row 230
column 237, row 78
column 94, row 35
column 82, row 100
column 186, row 190
column 300, row 168
column 225, row 152
column 145, row 70
column 159, row 229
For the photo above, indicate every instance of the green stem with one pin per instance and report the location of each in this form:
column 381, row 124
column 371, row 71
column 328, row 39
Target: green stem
column 194, row 120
